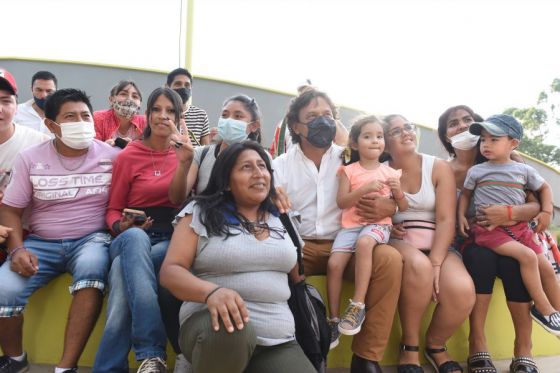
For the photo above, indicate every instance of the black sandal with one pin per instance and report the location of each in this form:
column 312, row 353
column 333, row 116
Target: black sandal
column 409, row 368
column 447, row 367
column 523, row 365
column 481, row 362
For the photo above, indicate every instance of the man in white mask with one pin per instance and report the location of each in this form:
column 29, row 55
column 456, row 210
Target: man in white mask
column 65, row 184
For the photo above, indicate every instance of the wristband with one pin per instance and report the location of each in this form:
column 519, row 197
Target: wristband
column 212, row 292
column 510, row 212
column 547, row 212
column 12, row 253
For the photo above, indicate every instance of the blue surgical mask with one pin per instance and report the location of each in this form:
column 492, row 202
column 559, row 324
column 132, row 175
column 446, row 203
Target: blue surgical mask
column 231, row 130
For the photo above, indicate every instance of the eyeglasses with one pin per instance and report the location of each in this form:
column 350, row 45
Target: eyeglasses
column 398, row 132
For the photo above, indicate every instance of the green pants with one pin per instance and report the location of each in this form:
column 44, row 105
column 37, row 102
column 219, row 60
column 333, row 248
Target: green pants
column 216, row 352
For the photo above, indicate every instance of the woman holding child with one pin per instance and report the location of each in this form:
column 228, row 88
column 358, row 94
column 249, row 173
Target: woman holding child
column 485, row 265
column 423, row 235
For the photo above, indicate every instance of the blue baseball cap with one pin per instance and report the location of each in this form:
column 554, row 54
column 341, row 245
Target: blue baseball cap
column 499, row 125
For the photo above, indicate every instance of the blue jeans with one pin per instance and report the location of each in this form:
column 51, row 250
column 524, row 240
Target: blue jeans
column 86, row 258
column 133, row 314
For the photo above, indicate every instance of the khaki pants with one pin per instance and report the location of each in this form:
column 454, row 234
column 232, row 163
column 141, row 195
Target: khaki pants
column 381, row 299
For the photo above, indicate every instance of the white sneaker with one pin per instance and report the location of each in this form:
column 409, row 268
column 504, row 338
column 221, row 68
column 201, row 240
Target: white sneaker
column 152, row 365
column 182, row 365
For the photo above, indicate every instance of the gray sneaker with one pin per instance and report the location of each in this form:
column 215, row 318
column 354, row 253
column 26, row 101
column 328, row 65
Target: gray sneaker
column 152, row 365
column 335, row 334
column 9, row 365
column 353, row 318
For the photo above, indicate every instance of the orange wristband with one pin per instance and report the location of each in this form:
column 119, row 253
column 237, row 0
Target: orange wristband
column 510, row 212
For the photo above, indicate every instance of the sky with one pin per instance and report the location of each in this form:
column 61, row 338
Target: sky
column 415, row 58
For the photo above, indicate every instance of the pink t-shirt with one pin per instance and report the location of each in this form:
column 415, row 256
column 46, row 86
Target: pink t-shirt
column 358, row 176
column 64, row 204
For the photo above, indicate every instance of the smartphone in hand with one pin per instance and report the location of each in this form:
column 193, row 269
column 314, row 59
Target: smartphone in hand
column 121, row 143
column 138, row 216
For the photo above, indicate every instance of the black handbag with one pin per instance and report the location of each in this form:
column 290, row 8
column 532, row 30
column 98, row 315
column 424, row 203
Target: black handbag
column 308, row 308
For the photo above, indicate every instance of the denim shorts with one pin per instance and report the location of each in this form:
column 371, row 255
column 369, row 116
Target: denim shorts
column 86, row 259
column 346, row 238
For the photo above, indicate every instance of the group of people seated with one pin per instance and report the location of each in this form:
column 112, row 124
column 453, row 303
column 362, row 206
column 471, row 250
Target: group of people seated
column 182, row 231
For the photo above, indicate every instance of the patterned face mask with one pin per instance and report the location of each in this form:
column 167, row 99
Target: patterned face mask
column 126, row 108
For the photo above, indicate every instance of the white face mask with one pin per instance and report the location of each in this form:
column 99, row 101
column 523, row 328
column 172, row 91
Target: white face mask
column 77, row 135
column 464, row 141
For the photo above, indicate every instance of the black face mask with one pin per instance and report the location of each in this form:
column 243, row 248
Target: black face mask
column 185, row 93
column 40, row 102
column 321, row 132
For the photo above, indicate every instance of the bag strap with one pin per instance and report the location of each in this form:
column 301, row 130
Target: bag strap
column 203, row 155
column 287, row 222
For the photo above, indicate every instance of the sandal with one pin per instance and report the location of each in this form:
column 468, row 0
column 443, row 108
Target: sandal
column 409, row 368
column 447, row 367
column 481, row 362
column 523, row 365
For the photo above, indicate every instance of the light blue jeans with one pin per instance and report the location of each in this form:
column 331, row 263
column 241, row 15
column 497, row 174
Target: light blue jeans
column 133, row 314
column 86, row 258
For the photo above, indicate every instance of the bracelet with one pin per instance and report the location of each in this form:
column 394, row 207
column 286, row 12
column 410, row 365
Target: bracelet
column 510, row 212
column 547, row 212
column 212, row 292
column 12, row 253
column 436, row 265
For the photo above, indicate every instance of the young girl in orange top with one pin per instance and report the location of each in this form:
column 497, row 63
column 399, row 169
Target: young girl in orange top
column 362, row 175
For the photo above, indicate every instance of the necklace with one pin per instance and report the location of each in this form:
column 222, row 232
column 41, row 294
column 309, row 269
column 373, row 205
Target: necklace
column 83, row 160
column 158, row 171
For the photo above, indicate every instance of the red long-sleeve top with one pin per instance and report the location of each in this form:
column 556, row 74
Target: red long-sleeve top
column 135, row 182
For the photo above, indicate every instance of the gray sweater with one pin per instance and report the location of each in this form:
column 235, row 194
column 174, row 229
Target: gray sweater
column 257, row 270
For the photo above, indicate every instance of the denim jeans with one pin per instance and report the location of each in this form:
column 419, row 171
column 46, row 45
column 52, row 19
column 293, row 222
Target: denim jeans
column 86, row 258
column 133, row 314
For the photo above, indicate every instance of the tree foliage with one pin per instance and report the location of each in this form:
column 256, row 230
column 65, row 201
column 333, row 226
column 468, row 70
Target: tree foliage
column 537, row 122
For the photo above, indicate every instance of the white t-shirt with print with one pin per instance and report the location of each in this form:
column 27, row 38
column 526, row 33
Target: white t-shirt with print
column 22, row 139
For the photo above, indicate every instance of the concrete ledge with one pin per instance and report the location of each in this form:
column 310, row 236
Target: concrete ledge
column 499, row 333
column 46, row 314
column 547, row 364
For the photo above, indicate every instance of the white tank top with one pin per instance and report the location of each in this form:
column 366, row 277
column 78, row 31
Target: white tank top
column 421, row 205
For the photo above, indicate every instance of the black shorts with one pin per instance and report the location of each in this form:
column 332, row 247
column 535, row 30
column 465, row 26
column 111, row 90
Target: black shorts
column 484, row 265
